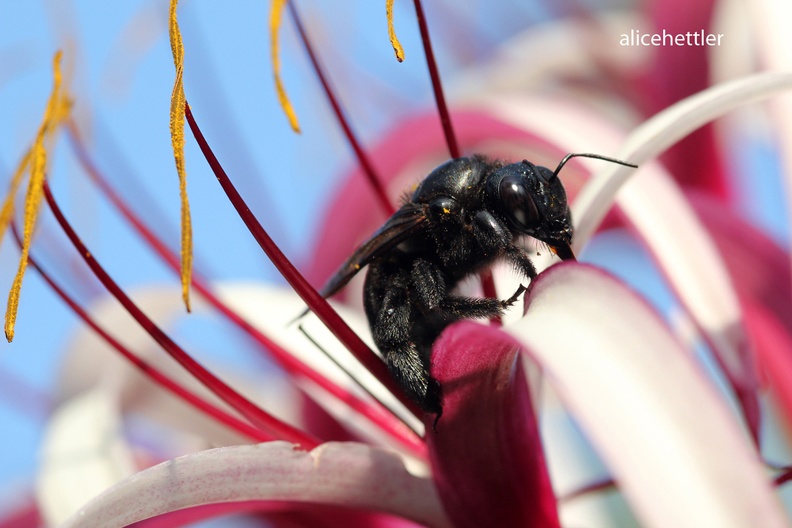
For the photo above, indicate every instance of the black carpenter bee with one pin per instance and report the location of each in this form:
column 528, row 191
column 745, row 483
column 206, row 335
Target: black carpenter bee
column 466, row 214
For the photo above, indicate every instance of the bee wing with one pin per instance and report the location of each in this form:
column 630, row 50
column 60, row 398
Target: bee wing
column 404, row 222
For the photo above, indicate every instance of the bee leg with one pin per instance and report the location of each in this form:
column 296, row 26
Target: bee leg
column 428, row 293
column 391, row 330
column 428, row 286
column 408, row 367
column 478, row 308
column 520, row 260
column 511, row 300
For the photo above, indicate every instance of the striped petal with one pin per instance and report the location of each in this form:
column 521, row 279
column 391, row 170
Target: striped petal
column 650, row 411
column 341, row 474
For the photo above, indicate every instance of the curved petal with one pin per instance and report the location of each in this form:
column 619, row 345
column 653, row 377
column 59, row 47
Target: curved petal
column 674, row 449
column 662, row 131
column 277, row 514
column 688, row 257
column 486, row 451
column 656, row 207
column 83, row 454
column 342, row 474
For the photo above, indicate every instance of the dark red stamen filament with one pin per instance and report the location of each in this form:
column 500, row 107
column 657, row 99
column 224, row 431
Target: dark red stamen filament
column 784, row 477
column 437, row 86
column 600, row 485
column 248, row 409
column 380, row 415
column 302, row 287
column 152, row 372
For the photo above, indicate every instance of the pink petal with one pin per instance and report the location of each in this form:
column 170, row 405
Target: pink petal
column 342, row 474
column 774, row 353
column 676, row 452
column 689, row 261
column 279, row 514
column 486, row 454
column 758, row 265
column 677, row 72
column 656, row 208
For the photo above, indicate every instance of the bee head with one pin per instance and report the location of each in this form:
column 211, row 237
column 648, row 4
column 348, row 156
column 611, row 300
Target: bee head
column 533, row 201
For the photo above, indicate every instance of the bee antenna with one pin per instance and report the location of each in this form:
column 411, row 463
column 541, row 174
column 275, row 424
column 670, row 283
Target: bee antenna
column 587, row 155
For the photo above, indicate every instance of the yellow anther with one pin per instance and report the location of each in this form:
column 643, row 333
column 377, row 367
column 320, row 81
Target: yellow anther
column 35, row 160
column 178, row 105
column 276, row 17
column 397, row 47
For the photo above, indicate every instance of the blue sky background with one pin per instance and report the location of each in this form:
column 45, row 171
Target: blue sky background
column 287, row 178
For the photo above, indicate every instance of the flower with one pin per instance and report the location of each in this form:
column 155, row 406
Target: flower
column 591, row 367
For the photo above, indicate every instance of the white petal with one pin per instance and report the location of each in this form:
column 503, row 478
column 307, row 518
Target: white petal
column 162, row 304
column 659, row 211
column 677, row 453
column 679, row 243
column 83, row 454
column 343, row 474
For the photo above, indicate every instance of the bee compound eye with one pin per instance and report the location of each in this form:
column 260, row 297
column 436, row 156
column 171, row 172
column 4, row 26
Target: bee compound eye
column 517, row 202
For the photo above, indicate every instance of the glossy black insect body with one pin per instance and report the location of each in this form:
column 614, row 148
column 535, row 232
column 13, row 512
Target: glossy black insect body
column 466, row 214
